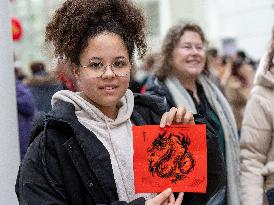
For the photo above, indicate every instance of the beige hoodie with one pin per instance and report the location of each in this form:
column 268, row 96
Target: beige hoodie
column 257, row 144
column 116, row 136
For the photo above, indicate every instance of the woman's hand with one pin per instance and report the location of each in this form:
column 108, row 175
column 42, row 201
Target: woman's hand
column 177, row 116
column 166, row 198
column 171, row 200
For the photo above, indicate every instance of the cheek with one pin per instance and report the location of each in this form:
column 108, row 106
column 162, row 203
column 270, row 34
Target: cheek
column 179, row 53
column 125, row 81
column 86, row 83
column 203, row 55
column 123, row 86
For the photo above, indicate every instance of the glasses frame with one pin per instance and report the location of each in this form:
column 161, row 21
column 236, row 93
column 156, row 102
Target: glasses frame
column 111, row 68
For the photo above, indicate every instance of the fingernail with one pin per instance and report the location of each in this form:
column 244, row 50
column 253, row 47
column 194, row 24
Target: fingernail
column 168, row 190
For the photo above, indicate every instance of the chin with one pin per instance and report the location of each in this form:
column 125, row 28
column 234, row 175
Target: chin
column 108, row 101
column 195, row 71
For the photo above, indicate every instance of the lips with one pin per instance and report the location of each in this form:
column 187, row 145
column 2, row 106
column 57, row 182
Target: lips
column 193, row 61
column 108, row 87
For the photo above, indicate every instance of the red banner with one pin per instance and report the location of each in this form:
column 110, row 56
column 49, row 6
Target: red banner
column 174, row 157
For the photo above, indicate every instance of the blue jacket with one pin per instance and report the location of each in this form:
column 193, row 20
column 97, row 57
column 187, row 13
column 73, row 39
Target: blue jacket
column 26, row 110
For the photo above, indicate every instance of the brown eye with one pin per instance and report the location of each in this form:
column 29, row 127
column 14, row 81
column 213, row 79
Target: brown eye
column 120, row 64
column 95, row 65
column 186, row 46
column 199, row 47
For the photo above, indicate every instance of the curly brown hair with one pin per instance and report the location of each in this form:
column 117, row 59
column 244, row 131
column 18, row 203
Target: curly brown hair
column 170, row 42
column 271, row 52
column 76, row 21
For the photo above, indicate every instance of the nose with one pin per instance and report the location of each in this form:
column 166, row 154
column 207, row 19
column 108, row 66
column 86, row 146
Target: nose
column 194, row 50
column 108, row 72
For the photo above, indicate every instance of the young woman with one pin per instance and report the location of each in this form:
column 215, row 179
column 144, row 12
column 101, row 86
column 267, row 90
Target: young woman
column 257, row 137
column 82, row 153
column 182, row 79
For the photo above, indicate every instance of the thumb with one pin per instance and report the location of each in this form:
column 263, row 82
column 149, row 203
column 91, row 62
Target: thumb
column 160, row 198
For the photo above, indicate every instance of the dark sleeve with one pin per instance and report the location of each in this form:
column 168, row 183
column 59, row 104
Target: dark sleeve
column 270, row 196
column 148, row 109
column 40, row 180
column 25, row 103
column 139, row 201
column 35, row 185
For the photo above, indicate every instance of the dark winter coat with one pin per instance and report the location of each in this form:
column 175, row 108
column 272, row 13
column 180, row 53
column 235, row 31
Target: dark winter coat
column 67, row 164
column 215, row 155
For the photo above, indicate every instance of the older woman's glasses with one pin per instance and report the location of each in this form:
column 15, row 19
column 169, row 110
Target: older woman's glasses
column 120, row 67
column 188, row 47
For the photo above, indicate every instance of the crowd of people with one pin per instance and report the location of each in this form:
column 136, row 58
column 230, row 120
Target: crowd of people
column 75, row 120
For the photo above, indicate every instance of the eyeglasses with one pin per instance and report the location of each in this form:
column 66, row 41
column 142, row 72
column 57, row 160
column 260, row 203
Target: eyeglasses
column 188, row 47
column 119, row 67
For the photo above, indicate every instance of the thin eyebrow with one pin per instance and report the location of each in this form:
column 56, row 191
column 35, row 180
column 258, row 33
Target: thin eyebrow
column 120, row 57
column 101, row 59
column 188, row 43
column 94, row 58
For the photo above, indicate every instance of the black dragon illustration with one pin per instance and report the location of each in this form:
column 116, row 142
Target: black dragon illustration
column 169, row 156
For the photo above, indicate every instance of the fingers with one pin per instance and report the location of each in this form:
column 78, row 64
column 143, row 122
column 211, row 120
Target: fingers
column 168, row 117
column 160, row 198
column 171, row 198
column 165, row 202
column 181, row 111
column 177, row 115
column 163, row 120
column 179, row 199
column 188, row 118
column 171, row 116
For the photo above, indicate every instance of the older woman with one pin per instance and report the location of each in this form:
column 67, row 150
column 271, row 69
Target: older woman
column 182, row 80
column 82, row 153
column 257, row 138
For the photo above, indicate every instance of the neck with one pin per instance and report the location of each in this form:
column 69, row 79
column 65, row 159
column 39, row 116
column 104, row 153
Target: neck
column 188, row 82
column 109, row 111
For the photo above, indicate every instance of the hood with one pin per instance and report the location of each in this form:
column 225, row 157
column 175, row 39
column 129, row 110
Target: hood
column 263, row 76
column 93, row 113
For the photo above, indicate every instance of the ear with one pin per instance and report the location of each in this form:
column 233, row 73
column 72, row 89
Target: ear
column 76, row 71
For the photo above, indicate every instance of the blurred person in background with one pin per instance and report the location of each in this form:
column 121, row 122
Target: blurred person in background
column 215, row 67
column 226, row 66
column 42, row 85
column 134, row 85
column 147, row 69
column 182, row 79
column 240, row 56
column 38, row 68
column 238, row 87
column 257, row 138
column 25, row 110
column 19, row 74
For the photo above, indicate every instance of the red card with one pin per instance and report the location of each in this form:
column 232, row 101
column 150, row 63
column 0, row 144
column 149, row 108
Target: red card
column 174, row 157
